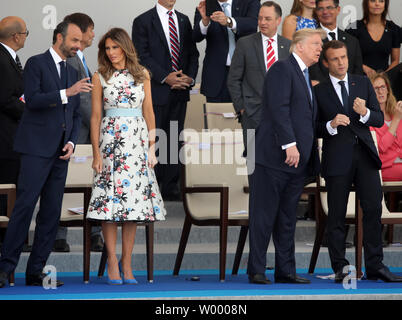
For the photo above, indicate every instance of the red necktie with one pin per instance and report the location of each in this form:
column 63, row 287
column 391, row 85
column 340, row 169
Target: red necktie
column 270, row 54
column 174, row 42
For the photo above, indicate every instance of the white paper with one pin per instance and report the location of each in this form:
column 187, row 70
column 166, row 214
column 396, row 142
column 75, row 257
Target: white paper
column 238, row 212
column 229, row 115
column 78, row 210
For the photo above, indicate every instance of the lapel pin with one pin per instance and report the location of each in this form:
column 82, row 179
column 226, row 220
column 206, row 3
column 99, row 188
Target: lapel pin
column 281, row 47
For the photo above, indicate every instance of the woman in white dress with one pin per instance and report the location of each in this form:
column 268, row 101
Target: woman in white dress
column 125, row 188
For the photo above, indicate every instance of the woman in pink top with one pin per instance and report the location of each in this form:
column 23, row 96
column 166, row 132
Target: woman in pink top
column 389, row 136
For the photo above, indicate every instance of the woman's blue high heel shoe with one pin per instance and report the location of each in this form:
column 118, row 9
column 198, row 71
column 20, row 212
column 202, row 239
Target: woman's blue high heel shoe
column 126, row 281
column 114, row 282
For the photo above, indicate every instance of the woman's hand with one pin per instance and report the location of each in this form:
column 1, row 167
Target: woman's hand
column 152, row 160
column 97, row 164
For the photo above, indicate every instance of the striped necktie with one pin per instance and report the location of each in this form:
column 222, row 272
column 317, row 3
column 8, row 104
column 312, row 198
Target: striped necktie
column 18, row 62
column 231, row 36
column 271, row 59
column 84, row 63
column 174, row 42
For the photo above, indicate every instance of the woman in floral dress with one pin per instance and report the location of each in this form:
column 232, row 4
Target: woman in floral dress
column 125, row 188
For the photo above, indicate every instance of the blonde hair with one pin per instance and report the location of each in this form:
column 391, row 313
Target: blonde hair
column 122, row 39
column 391, row 100
column 302, row 34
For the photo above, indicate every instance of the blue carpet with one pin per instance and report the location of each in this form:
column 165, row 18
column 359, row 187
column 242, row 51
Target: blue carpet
column 165, row 286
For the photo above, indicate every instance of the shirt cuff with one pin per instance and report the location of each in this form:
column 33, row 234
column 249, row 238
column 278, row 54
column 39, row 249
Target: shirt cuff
column 63, row 96
column 234, row 25
column 286, row 146
column 366, row 117
column 331, row 131
column 204, row 29
column 70, row 142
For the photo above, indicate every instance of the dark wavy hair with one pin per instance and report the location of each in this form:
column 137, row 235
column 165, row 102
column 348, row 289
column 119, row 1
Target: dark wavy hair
column 122, row 39
column 366, row 12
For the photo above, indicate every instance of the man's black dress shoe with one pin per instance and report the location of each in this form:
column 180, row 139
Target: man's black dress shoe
column 292, row 279
column 383, row 274
column 96, row 243
column 3, row 279
column 61, row 245
column 339, row 276
column 37, row 280
column 258, row 278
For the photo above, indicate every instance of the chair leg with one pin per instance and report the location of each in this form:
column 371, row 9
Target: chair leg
column 223, row 233
column 102, row 263
column 359, row 239
column 321, row 223
column 87, row 248
column 320, row 230
column 240, row 248
column 149, row 232
column 390, row 239
column 182, row 246
column 11, row 279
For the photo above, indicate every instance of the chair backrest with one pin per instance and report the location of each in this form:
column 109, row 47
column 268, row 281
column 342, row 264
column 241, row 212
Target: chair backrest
column 195, row 110
column 80, row 172
column 221, row 116
column 215, row 158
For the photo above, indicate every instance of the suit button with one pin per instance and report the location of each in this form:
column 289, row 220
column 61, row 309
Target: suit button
column 63, row 125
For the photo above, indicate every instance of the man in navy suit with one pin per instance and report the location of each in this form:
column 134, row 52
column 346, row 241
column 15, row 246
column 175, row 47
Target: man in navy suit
column 286, row 153
column 231, row 20
column 347, row 107
column 45, row 139
column 162, row 37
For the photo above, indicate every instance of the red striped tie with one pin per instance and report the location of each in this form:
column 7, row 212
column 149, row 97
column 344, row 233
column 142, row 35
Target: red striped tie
column 270, row 54
column 174, row 42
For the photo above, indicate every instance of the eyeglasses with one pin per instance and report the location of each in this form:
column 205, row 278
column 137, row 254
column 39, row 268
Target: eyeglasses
column 383, row 87
column 26, row 33
column 330, row 8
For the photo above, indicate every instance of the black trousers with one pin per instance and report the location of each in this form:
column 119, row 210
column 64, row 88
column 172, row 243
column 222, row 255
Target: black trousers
column 223, row 95
column 365, row 177
column 274, row 196
column 44, row 178
column 170, row 119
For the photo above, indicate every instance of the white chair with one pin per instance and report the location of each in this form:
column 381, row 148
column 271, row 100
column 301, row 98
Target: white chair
column 213, row 180
column 221, row 116
column 195, row 110
column 10, row 191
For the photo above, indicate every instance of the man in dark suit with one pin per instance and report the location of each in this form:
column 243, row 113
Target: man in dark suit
column 45, row 138
column 78, row 62
column 327, row 12
column 252, row 58
column 162, row 37
column 231, row 20
column 347, row 107
column 286, row 153
column 13, row 33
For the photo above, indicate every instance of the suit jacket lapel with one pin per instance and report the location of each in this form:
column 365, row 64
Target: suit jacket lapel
column 259, row 49
column 352, row 94
column 180, row 22
column 12, row 61
column 158, row 28
column 282, row 53
column 53, row 70
column 334, row 97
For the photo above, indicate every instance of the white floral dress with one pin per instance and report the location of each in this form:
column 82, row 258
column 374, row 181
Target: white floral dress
column 126, row 189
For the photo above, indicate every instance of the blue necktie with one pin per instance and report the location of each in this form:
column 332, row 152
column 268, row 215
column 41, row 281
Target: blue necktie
column 63, row 74
column 232, row 40
column 307, row 77
column 345, row 96
column 85, row 67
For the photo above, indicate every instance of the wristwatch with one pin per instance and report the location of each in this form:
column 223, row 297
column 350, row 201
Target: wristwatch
column 229, row 22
